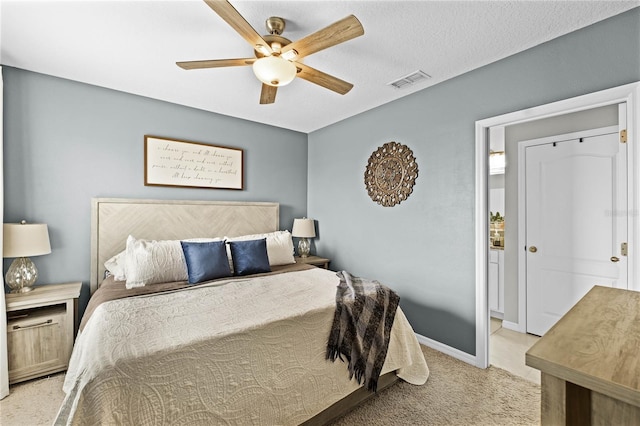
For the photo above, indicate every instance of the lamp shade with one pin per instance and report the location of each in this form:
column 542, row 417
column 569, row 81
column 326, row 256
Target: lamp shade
column 274, row 70
column 303, row 228
column 25, row 239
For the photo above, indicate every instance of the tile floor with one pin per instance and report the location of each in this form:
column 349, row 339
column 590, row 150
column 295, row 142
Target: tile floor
column 507, row 349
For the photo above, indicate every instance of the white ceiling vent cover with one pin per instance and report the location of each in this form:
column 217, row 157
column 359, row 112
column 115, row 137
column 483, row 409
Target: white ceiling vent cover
column 408, row 80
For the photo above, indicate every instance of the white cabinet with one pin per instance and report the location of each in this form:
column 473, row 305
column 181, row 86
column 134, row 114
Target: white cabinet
column 496, row 283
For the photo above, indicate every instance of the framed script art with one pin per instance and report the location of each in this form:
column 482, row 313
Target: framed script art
column 170, row 162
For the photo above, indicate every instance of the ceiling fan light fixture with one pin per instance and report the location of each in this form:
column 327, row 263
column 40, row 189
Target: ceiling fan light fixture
column 262, row 49
column 274, row 70
column 289, row 55
column 278, row 60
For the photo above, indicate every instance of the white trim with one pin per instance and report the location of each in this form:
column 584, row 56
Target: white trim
column 513, row 326
column 522, row 236
column 446, row 349
column 629, row 93
column 4, row 361
column 482, row 240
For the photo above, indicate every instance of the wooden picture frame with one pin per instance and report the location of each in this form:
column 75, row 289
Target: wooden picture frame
column 174, row 162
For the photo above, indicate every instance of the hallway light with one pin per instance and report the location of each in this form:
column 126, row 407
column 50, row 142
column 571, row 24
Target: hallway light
column 496, row 162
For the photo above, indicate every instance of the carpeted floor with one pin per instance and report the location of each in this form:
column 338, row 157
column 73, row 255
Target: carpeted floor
column 32, row 403
column 455, row 394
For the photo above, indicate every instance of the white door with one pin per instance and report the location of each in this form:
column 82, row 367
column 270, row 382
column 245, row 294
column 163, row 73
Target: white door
column 576, row 222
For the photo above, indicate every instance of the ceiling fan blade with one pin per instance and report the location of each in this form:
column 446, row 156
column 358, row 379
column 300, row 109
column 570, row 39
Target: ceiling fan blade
column 216, row 63
column 336, row 33
column 322, row 79
column 238, row 23
column 268, row 94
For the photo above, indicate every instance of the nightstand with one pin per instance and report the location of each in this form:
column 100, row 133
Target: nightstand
column 314, row 260
column 41, row 328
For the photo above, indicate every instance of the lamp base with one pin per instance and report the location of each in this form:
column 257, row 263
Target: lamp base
column 21, row 275
column 22, row 290
column 304, row 247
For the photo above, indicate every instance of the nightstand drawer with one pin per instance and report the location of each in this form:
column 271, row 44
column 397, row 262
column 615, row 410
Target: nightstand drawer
column 36, row 342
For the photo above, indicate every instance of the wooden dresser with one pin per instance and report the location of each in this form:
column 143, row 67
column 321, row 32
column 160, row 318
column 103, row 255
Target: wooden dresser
column 590, row 362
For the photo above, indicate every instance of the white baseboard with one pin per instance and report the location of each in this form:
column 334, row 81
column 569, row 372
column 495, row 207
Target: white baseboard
column 512, row 326
column 446, row 349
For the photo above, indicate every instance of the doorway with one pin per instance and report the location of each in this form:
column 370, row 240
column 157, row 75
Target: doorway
column 627, row 95
column 569, row 186
column 573, row 210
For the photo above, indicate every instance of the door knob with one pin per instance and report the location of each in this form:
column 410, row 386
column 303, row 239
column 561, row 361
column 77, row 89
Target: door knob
column 615, row 259
column 533, row 249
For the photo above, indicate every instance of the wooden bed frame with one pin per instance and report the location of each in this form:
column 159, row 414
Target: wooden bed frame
column 114, row 219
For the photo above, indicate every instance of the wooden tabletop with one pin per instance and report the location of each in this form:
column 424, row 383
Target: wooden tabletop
column 46, row 293
column 596, row 345
column 311, row 259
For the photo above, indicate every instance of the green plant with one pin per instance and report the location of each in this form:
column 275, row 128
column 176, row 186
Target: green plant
column 496, row 217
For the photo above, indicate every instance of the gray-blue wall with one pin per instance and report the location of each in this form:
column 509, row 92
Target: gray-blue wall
column 66, row 142
column 424, row 247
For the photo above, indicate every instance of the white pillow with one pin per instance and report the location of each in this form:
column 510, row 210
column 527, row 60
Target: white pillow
column 117, row 266
column 279, row 246
column 150, row 261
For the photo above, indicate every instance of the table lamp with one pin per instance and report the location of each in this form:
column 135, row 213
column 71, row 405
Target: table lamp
column 20, row 241
column 303, row 228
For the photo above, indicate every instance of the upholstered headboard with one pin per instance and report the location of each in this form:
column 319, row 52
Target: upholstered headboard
column 114, row 219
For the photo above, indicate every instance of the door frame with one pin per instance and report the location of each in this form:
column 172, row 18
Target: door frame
column 521, row 326
column 629, row 94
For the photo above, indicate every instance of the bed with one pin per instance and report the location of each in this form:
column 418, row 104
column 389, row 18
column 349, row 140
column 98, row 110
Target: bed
column 235, row 350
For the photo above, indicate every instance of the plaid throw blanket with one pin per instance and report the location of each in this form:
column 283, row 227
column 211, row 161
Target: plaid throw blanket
column 361, row 327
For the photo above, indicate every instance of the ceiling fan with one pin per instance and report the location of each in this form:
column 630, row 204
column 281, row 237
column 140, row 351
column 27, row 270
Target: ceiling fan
column 277, row 59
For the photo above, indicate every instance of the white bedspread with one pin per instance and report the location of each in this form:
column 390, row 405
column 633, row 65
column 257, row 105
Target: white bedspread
column 248, row 352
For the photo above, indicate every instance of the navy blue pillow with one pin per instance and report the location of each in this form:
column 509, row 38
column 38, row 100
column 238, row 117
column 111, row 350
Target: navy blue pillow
column 249, row 257
column 206, row 261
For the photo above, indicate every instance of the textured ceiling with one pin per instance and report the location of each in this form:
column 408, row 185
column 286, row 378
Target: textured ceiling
column 132, row 46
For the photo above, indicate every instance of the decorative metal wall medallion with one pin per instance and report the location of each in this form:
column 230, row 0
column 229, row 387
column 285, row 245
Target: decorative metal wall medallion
column 391, row 173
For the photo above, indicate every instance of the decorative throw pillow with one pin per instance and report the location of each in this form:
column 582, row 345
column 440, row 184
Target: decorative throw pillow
column 117, row 266
column 150, row 262
column 279, row 246
column 206, row 261
column 249, row 257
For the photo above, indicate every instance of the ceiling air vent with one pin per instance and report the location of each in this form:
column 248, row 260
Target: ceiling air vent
column 408, row 80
